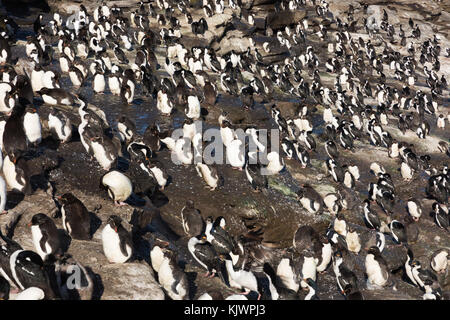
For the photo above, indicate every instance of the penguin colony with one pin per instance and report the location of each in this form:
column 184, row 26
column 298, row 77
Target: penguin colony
column 113, row 51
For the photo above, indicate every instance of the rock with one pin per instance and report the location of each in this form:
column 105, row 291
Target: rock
column 130, row 281
column 277, row 20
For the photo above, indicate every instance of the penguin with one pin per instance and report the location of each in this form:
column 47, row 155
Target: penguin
column 439, row 261
column 119, row 186
column 408, row 267
column 326, row 254
column 204, row 253
column 104, row 151
column 76, row 76
column 441, row 122
column 344, row 276
column 251, row 281
column 32, row 293
column 45, row 236
column 32, row 126
column 17, row 174
column 406, row 171
column 75, row 217
column 331, row 149
column 287, row 274
column 193, row 107
column 420, row 275
column 307, row 266
column 183, row 151
column 99, row 82
column 353, row 242
column 398, row 232
column 116, row 240
column 155, row 169
column 432, row 290
column 333, row 203
column 152, row 137
column 172, row 278
column 209, row 175
column 310, row 199
column 115, row 80
column 257, row 180
column 191, row 219
column 340, row 225
column 440, row 216
column 335, row 170
column 414, row 209
column 60, row 125
column 126, row 129
column 411, row 229
column 235, row 154
column 305, row 238
column 226, row 131
column 163, row 102
column 56, row 96
column 376, row 268
column 210, row 93
column 14, row 137
column 219, row 238
column 26, row 269
column 312, row 289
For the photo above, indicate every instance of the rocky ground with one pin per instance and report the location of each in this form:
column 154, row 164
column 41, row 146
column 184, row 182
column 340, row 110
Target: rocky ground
column 67, row 168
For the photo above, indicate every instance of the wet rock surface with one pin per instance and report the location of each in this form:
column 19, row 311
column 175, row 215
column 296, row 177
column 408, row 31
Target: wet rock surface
column 68, row 168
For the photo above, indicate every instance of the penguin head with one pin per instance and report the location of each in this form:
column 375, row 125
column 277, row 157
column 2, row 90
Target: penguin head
column 190, row 204
column 40, row 219
column 114, row 222
column 337, row 254
column 435, row 206
column 30, row 109
column 201, row 238
column 300, row 193
column 220, row 222
column 348, row 289
column 374, row 250
column 67, row 198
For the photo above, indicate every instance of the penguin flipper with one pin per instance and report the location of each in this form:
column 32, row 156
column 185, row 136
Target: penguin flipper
column 222, row 272
column 43, row 240
column 124, row 241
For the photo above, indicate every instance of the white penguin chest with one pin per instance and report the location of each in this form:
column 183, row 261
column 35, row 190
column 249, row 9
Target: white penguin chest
column 99, row 83
column 32, row 126
column 309, row 270
column 37, row 236
column 373, row 271
column 9, row 170
column 101, row 155
column 111, row 246
column 286, row 275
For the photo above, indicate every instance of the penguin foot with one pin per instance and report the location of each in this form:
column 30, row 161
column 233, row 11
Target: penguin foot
column 3, row 212
column 15, row 291
column 120, row 204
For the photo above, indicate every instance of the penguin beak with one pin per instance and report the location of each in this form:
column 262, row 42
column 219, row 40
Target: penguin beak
column 29, row 225
column 115, row 229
